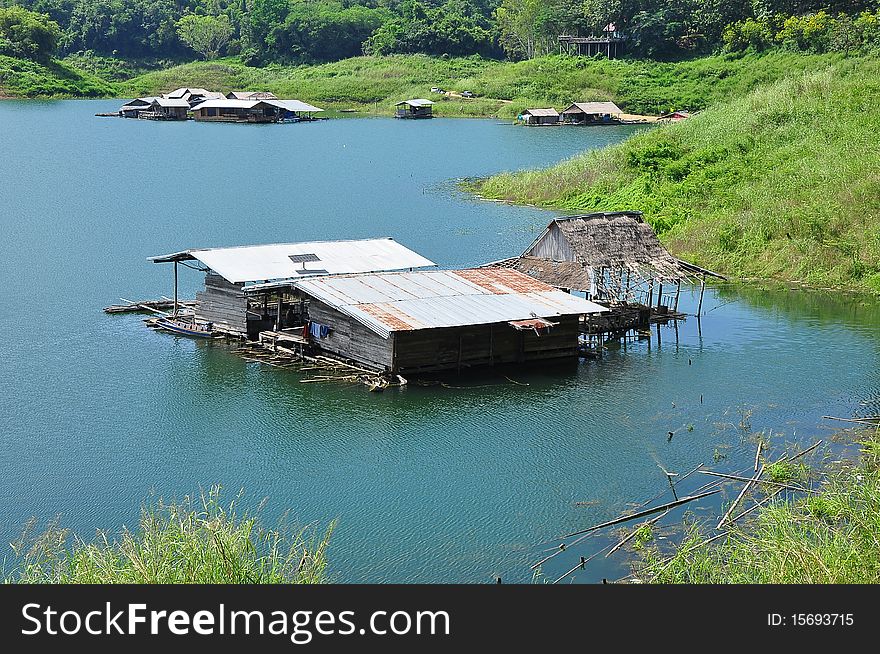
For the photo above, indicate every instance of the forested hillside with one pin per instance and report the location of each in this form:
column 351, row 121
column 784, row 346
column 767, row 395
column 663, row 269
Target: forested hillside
column 157, row 32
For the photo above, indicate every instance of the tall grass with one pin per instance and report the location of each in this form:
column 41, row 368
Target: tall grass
column 505, row 88
column 832, row 537
column 196, row 540
column 780, row 183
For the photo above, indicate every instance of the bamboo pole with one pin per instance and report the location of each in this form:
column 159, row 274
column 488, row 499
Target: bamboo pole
column 640, row 514
column 702, row 291
column 763, row 481
column 174, row 314
column 745, row 489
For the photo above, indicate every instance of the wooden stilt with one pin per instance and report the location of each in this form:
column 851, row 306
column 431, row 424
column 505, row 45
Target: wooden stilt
column 660, row 296
column 677, row 294
column 174, row 313
column 278, row 314
column 702, row 290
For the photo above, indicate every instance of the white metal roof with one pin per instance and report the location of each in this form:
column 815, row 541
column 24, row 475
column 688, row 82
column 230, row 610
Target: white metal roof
column 251, row 95
column 294, row 105
column 171, row 102
column 418, row 102
column 257, row 263
column 427, row 299
column 233, row 103
column 593, row 108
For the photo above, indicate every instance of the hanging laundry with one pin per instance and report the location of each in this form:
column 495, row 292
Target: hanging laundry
column 317, row 330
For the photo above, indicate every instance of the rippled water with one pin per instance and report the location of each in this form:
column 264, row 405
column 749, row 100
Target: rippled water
column 428, row 483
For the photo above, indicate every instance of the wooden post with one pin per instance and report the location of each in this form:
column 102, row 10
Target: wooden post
column 677, row 294
column 174, row 313
column 278, row 315
column 650, row 294
column 659, row 296
column 702, row 290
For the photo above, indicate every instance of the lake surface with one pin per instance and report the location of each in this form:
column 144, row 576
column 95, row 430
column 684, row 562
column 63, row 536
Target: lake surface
column 436, row 484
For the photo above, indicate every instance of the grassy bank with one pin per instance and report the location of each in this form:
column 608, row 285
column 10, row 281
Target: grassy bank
column 198, row 540
column 778, row 184
column 831, row 537
column 504, row 88
column 21, row 78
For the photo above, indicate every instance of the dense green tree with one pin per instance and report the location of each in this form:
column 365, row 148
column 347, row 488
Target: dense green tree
column 207, row 35
column 27, row 34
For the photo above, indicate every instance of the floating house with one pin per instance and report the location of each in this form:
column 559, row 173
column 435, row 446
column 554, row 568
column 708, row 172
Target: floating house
column 193, row 96
column 230, row 272
column 418, row 108
column 540, row 117
column 612, row 258
column 153, row 108
column 133, row 108
column 425, row 321
column 591, row 113
column 251, row 95
column 253, row 111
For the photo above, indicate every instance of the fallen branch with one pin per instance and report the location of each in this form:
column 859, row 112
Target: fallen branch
column 745, row 489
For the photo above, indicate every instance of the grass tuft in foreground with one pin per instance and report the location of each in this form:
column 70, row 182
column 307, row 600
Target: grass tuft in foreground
column 832, row 537
column 198, row 540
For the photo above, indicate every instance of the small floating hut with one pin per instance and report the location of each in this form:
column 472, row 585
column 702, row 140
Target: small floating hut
column 540, row 117
column 155, row 108
column 591, row 113
column 418, row 108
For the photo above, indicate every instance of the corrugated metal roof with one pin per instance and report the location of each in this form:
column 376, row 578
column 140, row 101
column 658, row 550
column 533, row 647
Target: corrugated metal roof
column 418, row 102
column 294, row 105
column 593, row 108
column 541, row 112
column 256, row 263
column 251, row 95
column 427, row 299
column 232, row 103
column 172, row 102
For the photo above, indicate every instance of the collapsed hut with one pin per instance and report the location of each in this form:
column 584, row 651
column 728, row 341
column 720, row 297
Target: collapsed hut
column 674, row 116
column 540, row 117
column 591, row 113
column 417, row 108
column 613, row 258
column 230, row 271
column 425, row 321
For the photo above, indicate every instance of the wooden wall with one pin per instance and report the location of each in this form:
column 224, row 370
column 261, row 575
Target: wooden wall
column 350, row 339
column 222, row 303
column 553, row 245
column 481, row 345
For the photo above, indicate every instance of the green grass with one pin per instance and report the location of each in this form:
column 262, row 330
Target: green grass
column 780, row 183
column 505, row 88
column 197, row 540
column 832, row 537
column 22, row 78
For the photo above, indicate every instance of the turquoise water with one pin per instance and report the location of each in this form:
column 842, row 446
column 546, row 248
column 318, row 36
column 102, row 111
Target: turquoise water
column 428, row 483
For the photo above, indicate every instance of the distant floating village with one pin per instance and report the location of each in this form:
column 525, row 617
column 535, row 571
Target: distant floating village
column 265, row 107
column 203, row 105
column 372, row 310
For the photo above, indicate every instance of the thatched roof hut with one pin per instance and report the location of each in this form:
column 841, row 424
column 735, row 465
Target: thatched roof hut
column 602, row 253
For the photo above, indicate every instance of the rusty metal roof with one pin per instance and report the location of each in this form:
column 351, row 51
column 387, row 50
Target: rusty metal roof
column 429, row 299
